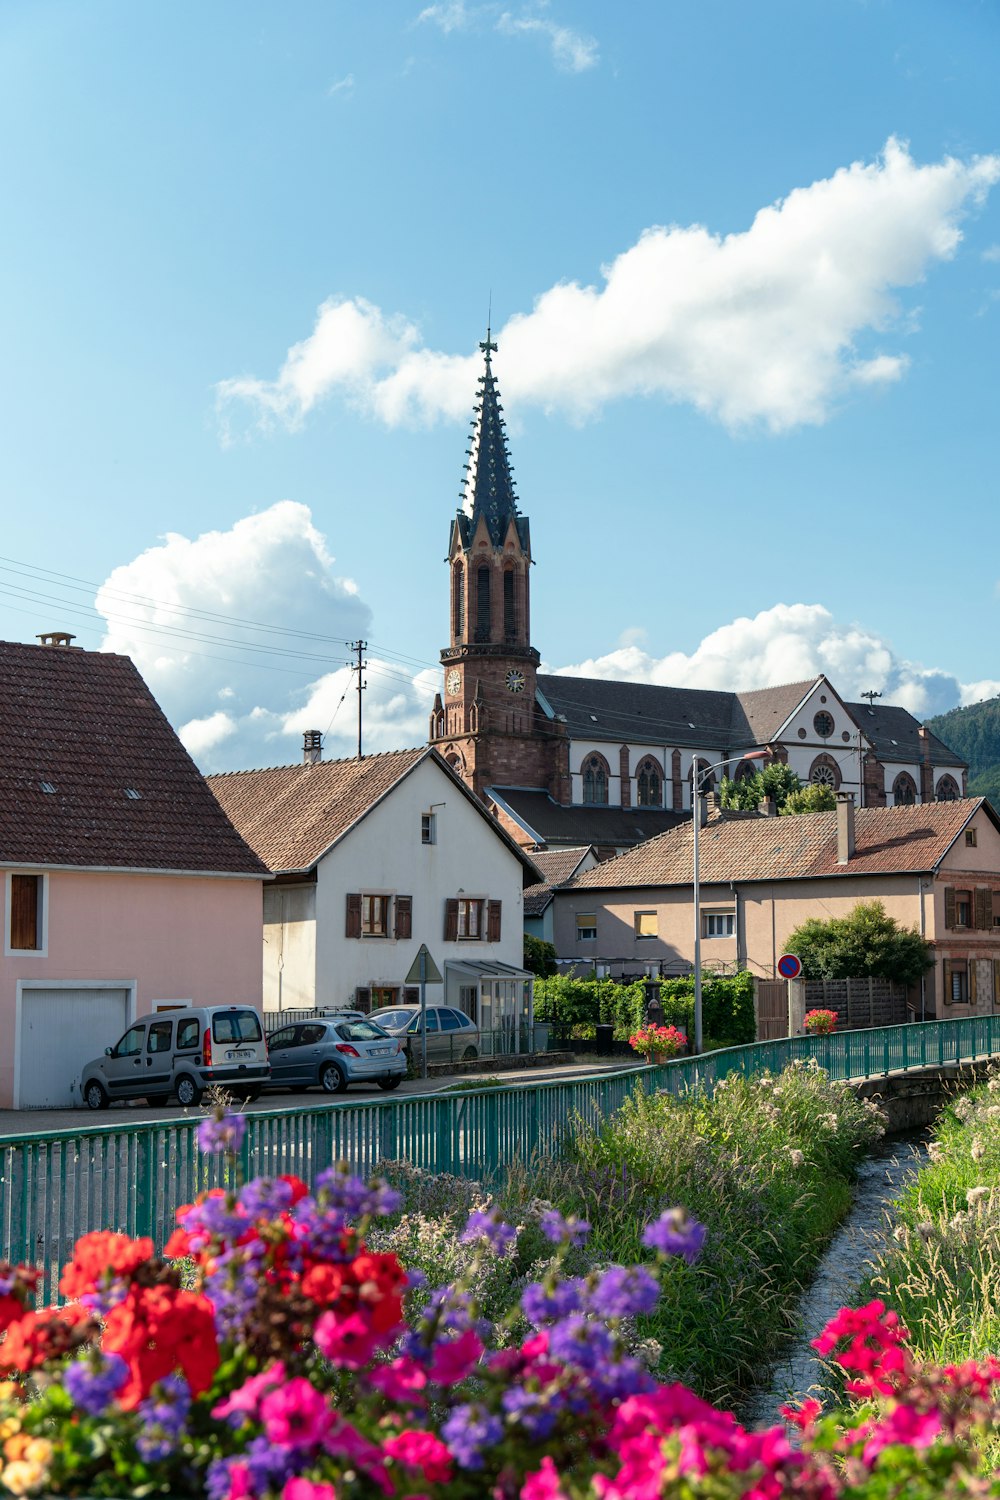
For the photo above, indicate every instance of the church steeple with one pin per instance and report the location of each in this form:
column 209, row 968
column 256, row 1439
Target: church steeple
column 488, row 489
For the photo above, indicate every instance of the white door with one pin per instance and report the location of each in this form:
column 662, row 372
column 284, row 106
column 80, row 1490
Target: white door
column 61, row 1030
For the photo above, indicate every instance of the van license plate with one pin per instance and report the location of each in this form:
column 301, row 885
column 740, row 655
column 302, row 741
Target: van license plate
column 239, row 1054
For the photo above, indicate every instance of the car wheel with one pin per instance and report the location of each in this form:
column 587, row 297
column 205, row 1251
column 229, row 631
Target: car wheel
column 157, row 1098
column 187, row 1091
column 390, row 1083
column 94, row 1095
column 331, row 1079
column 469, row 1054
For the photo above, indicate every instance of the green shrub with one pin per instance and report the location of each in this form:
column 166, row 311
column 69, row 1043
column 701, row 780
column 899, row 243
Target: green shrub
column 727, row 1005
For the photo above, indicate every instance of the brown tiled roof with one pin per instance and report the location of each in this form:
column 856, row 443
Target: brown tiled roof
column 85, row 723
column 760, row 713
column 559, row 826
column 556, row 865
column 536, row 898
column 291, row 815
column 888, row 841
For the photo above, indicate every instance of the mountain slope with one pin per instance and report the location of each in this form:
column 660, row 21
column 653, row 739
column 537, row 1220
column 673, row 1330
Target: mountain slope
column 974, row 732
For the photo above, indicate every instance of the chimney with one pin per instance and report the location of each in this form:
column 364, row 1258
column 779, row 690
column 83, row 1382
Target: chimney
column 312, row 747
column 713, row 808
column 926, row 769
column 845, row 827
column 55, row 638
column 768, row 807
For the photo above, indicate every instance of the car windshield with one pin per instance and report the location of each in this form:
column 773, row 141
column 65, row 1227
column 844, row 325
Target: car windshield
column 392, row 1017
column 359, row 1031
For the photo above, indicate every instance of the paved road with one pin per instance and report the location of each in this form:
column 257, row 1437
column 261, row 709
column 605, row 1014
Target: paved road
column 28, row 1121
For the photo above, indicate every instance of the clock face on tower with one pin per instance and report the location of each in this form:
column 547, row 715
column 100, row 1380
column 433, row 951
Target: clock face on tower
column 453, row 681
column 514, row 681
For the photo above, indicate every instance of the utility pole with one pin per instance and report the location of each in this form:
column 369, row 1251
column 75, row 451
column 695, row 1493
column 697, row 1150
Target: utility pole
column 359, row 648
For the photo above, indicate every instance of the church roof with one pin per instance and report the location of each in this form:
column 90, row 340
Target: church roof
column 488, row 488
column 894, row 734
column 558, row 826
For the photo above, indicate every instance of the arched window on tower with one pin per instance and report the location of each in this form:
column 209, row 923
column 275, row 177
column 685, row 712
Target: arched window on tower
column 947, row 790
column 483, row 604
column 458, row 601
column 595, row 780
column 904, row 790
column 509, row 612
column 649, row 784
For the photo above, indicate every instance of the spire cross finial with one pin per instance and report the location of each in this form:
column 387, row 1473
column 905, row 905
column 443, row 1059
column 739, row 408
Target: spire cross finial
column 488, row 347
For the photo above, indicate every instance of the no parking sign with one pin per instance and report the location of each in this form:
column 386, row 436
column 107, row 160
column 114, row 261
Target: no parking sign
column 789, row 966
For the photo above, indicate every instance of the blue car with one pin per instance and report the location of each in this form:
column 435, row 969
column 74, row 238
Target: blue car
column 332, row 1054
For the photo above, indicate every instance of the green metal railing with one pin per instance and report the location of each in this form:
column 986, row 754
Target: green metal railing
column 58, row 1184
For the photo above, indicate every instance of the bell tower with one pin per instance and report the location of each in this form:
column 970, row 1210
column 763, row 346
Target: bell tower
column 488, row 725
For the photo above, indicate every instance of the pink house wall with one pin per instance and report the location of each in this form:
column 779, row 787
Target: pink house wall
column 175, row 937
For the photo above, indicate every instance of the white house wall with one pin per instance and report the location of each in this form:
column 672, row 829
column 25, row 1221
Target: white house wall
column 289, row 946
column 384, row 854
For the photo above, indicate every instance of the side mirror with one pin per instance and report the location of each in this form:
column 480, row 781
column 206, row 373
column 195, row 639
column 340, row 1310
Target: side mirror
column 108, row 1051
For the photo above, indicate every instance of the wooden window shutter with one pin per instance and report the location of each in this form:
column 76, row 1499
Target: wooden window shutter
column 363, row 998
column 354, row 914
column 451, row 920
column 24, row 891
column 404, row 916
column 949, row 906
column 946, row 971
column 493, row 921
column 996, row 984
column 973, row 980
column 984, row 907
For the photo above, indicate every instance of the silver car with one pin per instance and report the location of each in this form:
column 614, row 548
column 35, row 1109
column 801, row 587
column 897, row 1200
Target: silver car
column 451, row 1035
column 332, row 1054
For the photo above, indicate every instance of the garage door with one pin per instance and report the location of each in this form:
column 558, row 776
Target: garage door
column 61, row 1029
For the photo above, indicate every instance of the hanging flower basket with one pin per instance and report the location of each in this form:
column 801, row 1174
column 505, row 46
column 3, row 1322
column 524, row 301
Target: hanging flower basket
column 820, row 1022
column 658, row 1043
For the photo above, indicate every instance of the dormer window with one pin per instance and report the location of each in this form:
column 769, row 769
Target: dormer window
column 132, row 794
column 47, row 787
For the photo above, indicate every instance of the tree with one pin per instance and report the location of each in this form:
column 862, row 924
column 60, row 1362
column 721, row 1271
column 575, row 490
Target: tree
column 539, row 956
column 776, row 780
column 809, row 799
column 866, row 941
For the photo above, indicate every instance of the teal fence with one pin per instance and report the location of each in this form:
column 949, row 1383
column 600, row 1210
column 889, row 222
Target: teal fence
column 58, row 1184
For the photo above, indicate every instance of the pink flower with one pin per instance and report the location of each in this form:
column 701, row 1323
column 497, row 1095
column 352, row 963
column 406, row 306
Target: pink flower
column 423, row 1451
column 245, row 1400
column 804, row 1414
column 402, row 1380
column 543, row 1484
column 305, row 1489
column 239, row 1482
column 455, row 1358
column 348, row 1342
column 296, row 1415
column 902, row 1426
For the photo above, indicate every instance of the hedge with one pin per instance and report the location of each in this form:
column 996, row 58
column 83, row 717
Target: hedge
column 727, row 1004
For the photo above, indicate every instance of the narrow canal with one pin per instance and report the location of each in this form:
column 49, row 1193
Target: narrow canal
column 881, row 1179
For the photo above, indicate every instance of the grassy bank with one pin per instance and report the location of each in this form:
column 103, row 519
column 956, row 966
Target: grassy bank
column 941, row 1271
column 766, row 1165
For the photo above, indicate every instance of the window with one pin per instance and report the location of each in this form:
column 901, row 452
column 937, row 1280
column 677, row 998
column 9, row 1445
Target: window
column 427, row 828
column 963, row 909
column 370, row 915
column 468, row 999
column 823, row 724
column 450, row 1021
column 131, row 1043
column 383, row 995
column 240, row 1026
column 904, row 791
column 956, row 982
column 586, row 927
column 509, row 617
column 646, row 924
column 187, row 1036
column 458, row 600
column 483, row 604
column 718, row 924
column 374, row 916
column 160, row 1036
column 25, row 908
column 470, row 919
column 279, row 1040
column 825, row 772
column 947, row 790
column 970, row 838
column 595, row 781
column 649, row 785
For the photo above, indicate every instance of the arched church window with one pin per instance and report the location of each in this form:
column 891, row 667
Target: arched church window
column 509, row 612
column 458, row 601
column 824, row 771
column 595, row 781
column 947, row 790
column 649, row 784
column 904, row 790
column 706, row 778
column 483, row 604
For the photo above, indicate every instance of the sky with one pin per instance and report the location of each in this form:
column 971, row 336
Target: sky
column 742, row 263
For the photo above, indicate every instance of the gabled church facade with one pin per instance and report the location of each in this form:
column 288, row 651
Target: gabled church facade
column 575, row 760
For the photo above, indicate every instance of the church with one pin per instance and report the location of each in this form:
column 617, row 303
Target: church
column 567, row 761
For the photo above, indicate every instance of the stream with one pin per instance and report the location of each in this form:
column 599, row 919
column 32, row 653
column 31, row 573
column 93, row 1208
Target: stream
column 881, row 1178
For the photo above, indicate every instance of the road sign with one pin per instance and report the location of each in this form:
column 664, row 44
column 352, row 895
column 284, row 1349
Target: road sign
column 426, row 972
column 789, row 966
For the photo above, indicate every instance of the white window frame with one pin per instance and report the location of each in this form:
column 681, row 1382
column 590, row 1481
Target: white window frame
column 428, row 828
column 43, row 896
column 726, row 918
column 586, row 934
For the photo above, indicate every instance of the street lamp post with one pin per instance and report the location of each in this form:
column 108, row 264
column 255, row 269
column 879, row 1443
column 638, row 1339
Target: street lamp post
column 697, row 772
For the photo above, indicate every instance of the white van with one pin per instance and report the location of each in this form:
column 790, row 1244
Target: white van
column 181, row 1052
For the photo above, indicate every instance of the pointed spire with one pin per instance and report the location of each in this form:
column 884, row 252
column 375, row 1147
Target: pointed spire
column 488, row 488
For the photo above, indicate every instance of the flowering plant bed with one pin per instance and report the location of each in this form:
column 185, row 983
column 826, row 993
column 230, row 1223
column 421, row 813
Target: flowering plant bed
column 820, row 1022
column 658, row 1041
column 302, row 1366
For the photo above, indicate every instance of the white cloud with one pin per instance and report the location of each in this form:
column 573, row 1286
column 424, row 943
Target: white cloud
column 791, row 643
column 342, row 85
column 201, row 736
column 572, row 51
column 451, row 15
column 764, row 327
column 991, row 253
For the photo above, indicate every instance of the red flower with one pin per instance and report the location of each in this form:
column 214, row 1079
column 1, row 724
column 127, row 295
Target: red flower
column 298, row 1187
column 38, row 1336
column 423, row 1451
column 102, row 1256
column 158, row 1329
column 324, row 1283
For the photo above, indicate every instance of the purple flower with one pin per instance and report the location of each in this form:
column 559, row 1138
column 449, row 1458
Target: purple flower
column 621, row 1378
column 624, row 1292
column 675, row 1233
column 265, row 1198
column 581, row 1342
column 560, row 1231
column 163, row 1415
column 93, row 1381
column 221, row 1133
column 489, row 1227
column 339, row 1189
column 532, row 1412
column 468, row 1431
column 542, row 1304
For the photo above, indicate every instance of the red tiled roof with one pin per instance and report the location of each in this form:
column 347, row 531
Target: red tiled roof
column 888, row 841
column 85, row 724
column 558, row 865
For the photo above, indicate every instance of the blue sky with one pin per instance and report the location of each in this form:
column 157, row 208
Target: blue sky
column 744, row 262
